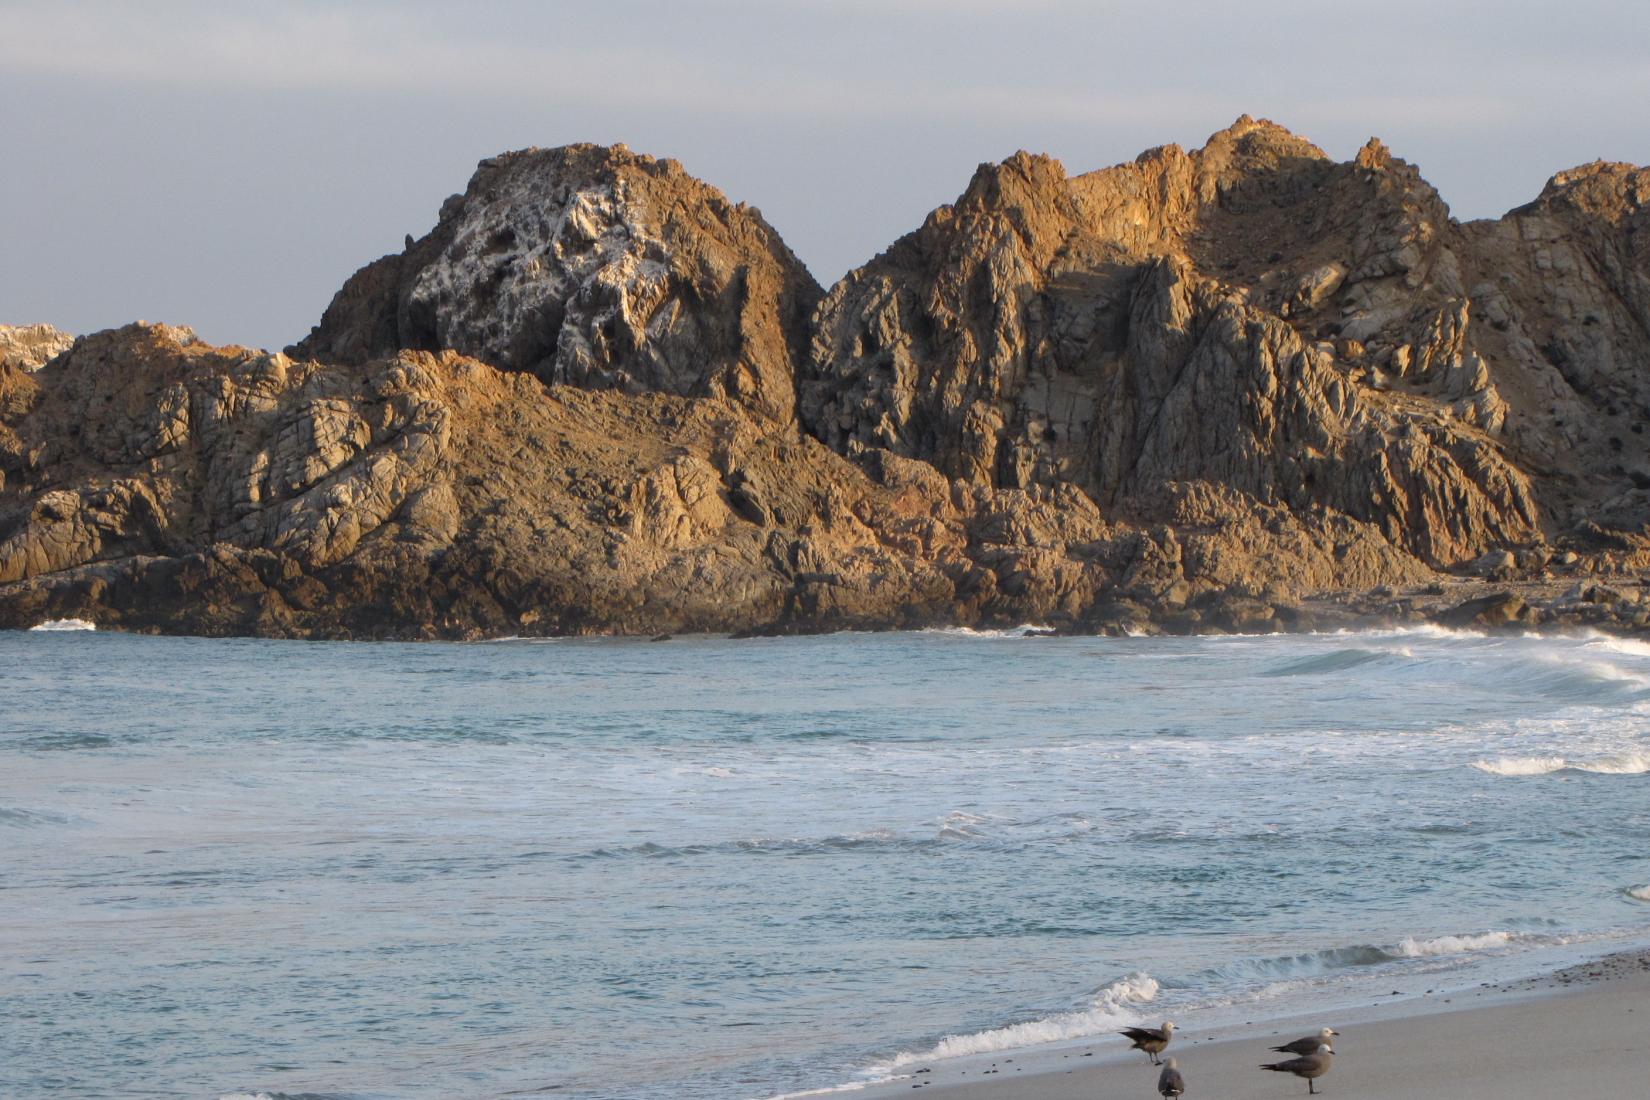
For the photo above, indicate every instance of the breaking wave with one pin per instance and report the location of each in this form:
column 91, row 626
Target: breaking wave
column 1121, row 1002
column 53, row 625
column 1331, row 960
column 1639, row 893
column 1412, row 948
column 1309, row 964
column 1024, row 630
column 1340, row 660
column 1627, row 763
column 1110, row 1007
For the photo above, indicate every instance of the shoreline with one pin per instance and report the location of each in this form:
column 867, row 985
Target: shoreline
column 1583, row 1028
column 1616, row 605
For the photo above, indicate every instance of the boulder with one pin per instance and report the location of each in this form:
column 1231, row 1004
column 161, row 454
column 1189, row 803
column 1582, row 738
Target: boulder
column 1496, row 610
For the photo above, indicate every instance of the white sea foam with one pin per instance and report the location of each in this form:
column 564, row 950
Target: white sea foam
column 1420, row 630
column 1024, row 630
column 852, row 1086
column 65, row 624
column 1521, row 765
column 1586, row 672
column 1630, row 647
column 1411, row 948
column 712, row 771
column 1639, row 893
column 1113, row 1005
column 1625, row 763
column 961, row 825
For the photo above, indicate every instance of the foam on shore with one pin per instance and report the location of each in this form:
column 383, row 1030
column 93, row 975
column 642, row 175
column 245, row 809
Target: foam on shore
column 56, row 625
column 1111, row 1007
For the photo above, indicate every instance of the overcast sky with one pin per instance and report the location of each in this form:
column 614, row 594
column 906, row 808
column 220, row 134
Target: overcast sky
column 228, row 165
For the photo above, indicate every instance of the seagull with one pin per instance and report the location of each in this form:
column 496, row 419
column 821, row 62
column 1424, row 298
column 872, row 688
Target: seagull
column 1310, row 1066
column 1311, row 1043
column 1169, row 1082
column 1152, row 1040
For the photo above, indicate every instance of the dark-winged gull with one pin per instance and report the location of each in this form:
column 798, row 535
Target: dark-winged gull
column 1310, row 1066
column 1152, row 1040
column 1169, row 1082
column 1311, row 1043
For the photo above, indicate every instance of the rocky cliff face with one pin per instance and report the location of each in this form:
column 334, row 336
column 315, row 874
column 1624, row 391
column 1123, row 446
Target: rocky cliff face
column 1256, row 315
column 592, row 267
column 1243, row 387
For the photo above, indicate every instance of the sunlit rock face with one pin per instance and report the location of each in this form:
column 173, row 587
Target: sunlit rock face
column 594, row 267
column 1239, row 388
column 1255, row 314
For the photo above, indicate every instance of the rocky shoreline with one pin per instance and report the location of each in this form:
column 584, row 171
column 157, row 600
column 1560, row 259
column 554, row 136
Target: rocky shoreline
column 1239, row 389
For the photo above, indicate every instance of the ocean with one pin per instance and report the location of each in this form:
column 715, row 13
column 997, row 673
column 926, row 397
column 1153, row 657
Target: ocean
column 718, row 868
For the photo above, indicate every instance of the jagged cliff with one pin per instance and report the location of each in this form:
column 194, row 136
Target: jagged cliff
column 1250, row 313
column 1243, row 387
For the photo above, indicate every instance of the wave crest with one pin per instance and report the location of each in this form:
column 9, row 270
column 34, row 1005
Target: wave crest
column 1521, row 765
column 1411, row 948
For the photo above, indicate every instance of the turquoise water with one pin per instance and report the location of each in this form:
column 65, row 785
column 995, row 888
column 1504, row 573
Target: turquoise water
column 718, row 868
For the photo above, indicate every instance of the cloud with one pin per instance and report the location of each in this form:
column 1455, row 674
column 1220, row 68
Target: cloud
column 1054, row 62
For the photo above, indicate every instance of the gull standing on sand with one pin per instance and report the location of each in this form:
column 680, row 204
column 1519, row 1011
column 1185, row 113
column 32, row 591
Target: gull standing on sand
column 1311, row 1066
column 1310, row 1044
column 1152, row 1040
column 1169, row 1082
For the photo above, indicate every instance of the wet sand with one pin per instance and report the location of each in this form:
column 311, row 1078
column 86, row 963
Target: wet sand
column 1583, row 1031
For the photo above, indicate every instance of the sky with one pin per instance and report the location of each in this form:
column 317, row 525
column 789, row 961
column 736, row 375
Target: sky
column 227, row 165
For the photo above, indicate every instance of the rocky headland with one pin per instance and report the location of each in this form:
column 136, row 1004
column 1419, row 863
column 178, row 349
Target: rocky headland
column 1238, row 388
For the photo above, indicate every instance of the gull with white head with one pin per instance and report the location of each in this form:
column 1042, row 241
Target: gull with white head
column 1309, row 1045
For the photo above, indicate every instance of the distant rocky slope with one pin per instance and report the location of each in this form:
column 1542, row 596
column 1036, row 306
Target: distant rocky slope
column 1240, row 388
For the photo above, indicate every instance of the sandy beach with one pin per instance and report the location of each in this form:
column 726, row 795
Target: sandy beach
column 1583, row 1031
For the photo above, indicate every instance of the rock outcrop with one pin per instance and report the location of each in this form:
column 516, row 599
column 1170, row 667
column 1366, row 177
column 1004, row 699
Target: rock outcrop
column 1240, row 388
column 30, row 347
column 156, row 482
column 593, row 267
column 1249, row 313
